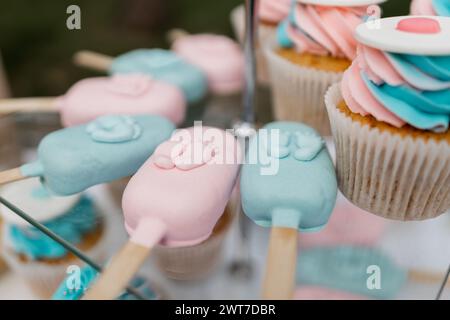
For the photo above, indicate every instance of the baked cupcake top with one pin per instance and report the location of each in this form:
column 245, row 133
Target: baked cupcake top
column 273, row 11
column 69, row 217
column 431, row 7
column 325, row 27
column 402, row 72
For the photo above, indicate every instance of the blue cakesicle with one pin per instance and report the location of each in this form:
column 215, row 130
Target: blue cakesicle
column 288, row 179
column 165, row 66
column 77, row 283
column 352, row 269
column 109, row 148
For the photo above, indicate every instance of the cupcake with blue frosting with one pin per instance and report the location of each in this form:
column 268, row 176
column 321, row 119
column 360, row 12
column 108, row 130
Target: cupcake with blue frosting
column 39, row 260
column 390, row 119
column 79, row 280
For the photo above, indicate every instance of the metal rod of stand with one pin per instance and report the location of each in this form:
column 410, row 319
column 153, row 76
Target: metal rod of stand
column 444, row 283
column 251, row 34
column 61, row 241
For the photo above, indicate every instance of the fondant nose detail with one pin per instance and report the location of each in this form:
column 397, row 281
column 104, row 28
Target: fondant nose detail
column 421, row 25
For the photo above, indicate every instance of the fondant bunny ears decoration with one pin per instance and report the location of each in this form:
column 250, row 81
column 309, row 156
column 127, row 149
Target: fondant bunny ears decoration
column 188, row 154
column 303, row 145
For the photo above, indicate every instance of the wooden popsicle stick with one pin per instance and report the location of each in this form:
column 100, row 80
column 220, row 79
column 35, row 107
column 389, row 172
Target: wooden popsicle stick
column 119, row 272
column 426, row 277
column 11, row 176
column 44, row 104
column 176, row 34
column 93, row 60
column 279, row 280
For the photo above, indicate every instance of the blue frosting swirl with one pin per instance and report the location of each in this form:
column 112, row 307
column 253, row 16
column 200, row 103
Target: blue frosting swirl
column 442, row 7
column 423, row 101
column 72, row 226
column 87, row 276
column 166, row 66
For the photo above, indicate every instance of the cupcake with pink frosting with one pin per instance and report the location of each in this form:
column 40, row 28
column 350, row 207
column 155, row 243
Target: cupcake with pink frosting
column 270, row 14
column 430, row 8
column 315, row 44
column 390, row 119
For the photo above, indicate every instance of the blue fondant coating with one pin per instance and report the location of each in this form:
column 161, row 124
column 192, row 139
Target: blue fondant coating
column 300, row 194
column 71, row 226
column 166, row 66
column 70, row 161
column 349, row 268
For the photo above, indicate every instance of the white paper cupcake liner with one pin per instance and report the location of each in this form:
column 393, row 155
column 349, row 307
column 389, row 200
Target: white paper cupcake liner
column 194, row 262
column 401, row 178
column 44, row 278
column 298, row 92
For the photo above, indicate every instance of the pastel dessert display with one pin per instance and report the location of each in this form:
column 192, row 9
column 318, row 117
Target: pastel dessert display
column 270, row 14
column 321, row 293
column 390, row 118
column 348, row 225
column 222, row 61
column 163, row 65
column 190, row 179
column 430, row 8
column 73, row 288
column 287, row 184
column 88, row 99
column 314, row 45
column 35, row 257
column 109, row 148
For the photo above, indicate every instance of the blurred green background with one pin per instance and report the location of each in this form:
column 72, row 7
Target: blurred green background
column 37, row 47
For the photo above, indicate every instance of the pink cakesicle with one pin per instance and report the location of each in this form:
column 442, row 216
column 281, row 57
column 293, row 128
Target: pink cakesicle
column 319, row 293
column 130, row 94
column 175, row 199
column 219, row 57
column 348, row 225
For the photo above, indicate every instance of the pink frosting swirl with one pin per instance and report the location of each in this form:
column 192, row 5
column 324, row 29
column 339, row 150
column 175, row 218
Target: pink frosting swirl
column 273, row 11
column 326, row 30
column 422, row 7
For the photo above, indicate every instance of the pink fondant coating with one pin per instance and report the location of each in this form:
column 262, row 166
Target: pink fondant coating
column 273, row 11
column 121, row 94
column 422, row 8
column 219, row 57
column 419, row 25
column 187, row 200
column 348, row 225
column 319, row 293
